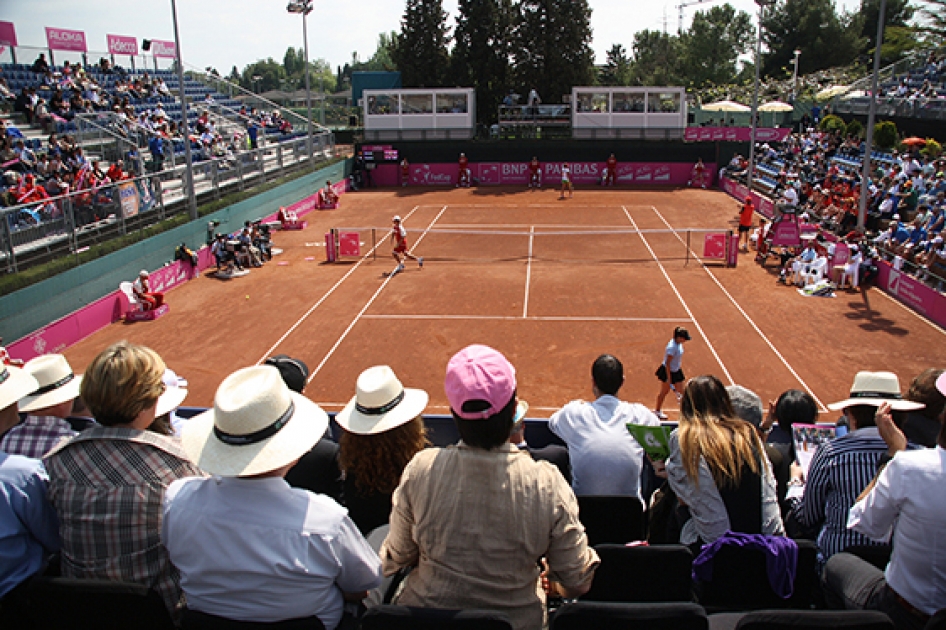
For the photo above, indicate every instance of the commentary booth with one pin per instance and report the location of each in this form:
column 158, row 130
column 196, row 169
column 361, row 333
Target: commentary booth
column 640, row 113
column 419, row 114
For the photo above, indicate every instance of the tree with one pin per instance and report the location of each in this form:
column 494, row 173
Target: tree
column 293, row 61
column 553, row 46
column 712, row 45
column 656, row 58
column 618, row 68
column 934, row 15
column 271, row 75
column 898, row 14
column 814, row 27
column 420, row 52
column 481, row 52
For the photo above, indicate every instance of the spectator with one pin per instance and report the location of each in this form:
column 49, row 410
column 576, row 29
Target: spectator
column 250, row 547
column 472, row 519
column 747, row 406
column 107, row 483
column 40, row 66
column 142, row 290
column 717, row 468
column 842, row 468
column 555, row 454
column 922, row 425
column 382, row 429
column 605, row 458
column 47, row 408
column 792, row 407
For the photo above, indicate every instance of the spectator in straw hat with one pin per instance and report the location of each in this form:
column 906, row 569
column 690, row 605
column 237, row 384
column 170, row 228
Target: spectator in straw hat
column 249, row 546
column 382, row 429
column 107, row 483
column 48, row 406
column 472, row 519
column 842, row 468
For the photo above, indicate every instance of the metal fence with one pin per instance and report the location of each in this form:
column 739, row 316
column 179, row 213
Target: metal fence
column 35, row 233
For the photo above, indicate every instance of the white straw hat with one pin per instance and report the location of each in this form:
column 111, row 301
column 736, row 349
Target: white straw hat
column 381, row 403
column 876, row 388
column 174, row 393
column 257, row 424
column 56, row 382
column 15, row 383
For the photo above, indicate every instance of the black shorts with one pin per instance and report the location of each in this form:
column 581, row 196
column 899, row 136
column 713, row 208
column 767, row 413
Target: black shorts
column 675, row 377
column 744, row 228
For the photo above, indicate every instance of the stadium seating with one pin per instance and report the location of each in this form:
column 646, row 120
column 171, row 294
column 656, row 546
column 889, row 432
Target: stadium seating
column 655, row 573
column 611, row 519
column 392, row 617
column 618, row 616
column 810, row 619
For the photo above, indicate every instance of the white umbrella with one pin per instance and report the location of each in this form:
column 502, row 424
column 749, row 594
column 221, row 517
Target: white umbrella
column 726, row 106
column 776, row 106
column 832, row 91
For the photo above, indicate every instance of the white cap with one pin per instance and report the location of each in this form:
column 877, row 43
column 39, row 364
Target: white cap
column 397, row 218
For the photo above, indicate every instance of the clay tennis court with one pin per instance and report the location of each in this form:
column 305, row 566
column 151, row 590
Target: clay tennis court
column 550, row 283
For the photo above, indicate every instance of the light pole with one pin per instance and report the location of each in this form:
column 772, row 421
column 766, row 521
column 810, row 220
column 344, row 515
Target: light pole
column 755, row 92
column 871, row 115
column 795, row 78
column 256, row 79
column 188, row 159
column 305, row 8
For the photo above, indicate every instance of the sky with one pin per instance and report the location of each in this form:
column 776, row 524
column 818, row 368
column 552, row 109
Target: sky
column 224, row 33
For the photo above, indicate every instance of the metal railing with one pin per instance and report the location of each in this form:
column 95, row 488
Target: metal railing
column 34, row 233
column 932, row 279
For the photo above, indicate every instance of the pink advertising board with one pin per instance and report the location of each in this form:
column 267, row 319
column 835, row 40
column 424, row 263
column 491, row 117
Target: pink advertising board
column 7, row 34
column 910, row 291
column 122, row 45
column 161, row 48
column 308, row 204
column 65, row 39
column 763, row 205
column 517, row 173
column 735, row 134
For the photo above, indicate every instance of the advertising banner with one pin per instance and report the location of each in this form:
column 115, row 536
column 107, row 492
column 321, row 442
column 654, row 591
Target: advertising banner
column 912, row 292
column 163, row 49
column 122, row 45
column 735, row 134
column 128, row 197
column 65, row 39
column 763, row 205
column 7, row 34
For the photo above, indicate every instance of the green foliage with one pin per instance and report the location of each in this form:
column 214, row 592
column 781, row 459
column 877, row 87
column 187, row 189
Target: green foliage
column 832, row 123
column 271, row 76
column 933, row 13
column 618, row 69
column 421, row 48
column 713, row 44
column 656, row 58
column 814, row 27
column 933, row 149
column 481, row 53
column 552, row 47
column 854, row 128
column 885, row 134
column 897, row 16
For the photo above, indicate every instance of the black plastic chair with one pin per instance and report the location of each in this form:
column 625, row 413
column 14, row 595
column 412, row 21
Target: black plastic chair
column 393, row 617
column 937, row 621
column 611, row 519
column 623, row 616
column 877, row 555
column 656, row 573
column 810, row 619
column 740, row 581
column 196, row 620
column 54, row 603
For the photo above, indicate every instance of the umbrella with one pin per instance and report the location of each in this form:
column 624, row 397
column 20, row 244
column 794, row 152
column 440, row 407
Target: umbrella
column 914, row 142
column 726, row 106
column 776, row 106
column 831, row 92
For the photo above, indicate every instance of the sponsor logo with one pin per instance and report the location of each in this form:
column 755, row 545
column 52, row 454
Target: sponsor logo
column 67, row 37
column 39, row 345
column 122, row 46
column 159, row 48
column 643, row 173
column 514, row 169
column 662, row 174
column 489, row 174
column 423, row 175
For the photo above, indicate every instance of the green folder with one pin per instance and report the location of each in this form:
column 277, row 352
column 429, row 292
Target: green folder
column 655, row 440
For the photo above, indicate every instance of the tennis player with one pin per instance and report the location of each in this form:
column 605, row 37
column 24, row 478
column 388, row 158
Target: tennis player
column 611, row 171
column 535, row 173
column 399, row 236
column 670, row 371
column 699, row 174
column 463, row 168
column 566, row 181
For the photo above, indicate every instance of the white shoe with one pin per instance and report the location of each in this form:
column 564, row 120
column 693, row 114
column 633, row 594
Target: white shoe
column 420, row 262
column 660, row 415
column 398, row 269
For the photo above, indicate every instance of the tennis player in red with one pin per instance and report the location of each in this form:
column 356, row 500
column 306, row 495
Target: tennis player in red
column 405, row 172
column 611, row 171
column 535, row 173
column 399, row 236
column 463, row 178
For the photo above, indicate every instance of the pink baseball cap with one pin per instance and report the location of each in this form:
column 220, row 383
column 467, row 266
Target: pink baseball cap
column 479, row 373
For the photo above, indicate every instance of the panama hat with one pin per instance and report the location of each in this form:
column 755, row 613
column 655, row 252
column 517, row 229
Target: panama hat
column 175, row 391
column 381, row 403
column 15, row 383
column 257, row 424
column 56, row 382
column 876, row 388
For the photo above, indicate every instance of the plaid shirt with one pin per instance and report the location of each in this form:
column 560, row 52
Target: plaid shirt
column 36, row 436
column 107, row 484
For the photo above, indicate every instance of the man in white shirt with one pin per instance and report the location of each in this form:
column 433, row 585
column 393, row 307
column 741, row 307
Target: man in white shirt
column 248, row 546
column 605, row 457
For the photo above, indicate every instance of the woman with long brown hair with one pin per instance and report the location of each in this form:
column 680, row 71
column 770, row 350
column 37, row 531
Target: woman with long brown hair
column 382, row 430
column 718, row 468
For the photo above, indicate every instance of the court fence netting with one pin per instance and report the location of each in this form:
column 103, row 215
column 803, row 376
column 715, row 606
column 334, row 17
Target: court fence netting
column 548, row 244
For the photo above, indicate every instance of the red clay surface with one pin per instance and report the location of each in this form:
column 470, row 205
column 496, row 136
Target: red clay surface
column 551, row 314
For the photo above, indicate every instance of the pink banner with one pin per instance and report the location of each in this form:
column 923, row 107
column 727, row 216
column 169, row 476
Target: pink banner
column 161, row 48
column 7, row 34
column 64, row 39
column 517, row 173
column 763, row 205
column 912, row 292
column 735, row 134
column 307, row 204
column 122, row 45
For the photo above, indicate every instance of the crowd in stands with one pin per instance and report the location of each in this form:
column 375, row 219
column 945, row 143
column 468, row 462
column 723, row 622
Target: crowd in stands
column 238, row 512
column 817, row 176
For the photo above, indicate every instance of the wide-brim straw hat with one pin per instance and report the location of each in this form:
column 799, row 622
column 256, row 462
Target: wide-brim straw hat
column 381, row 403
column 57, row 383
column 876, row 388
column 257, row 425
column 175, row 391
column 15, row 383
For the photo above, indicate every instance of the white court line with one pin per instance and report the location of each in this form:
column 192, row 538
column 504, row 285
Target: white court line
column 572, row 226
column 509, row 318
column 920, row 317
column 368, row 305
column 525, row 301
column 746, row 315
column 682, row 301
column 325, row 296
